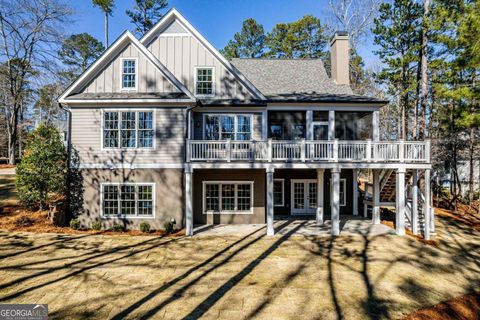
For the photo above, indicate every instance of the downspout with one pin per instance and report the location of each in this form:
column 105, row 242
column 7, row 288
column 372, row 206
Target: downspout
column 69, row 154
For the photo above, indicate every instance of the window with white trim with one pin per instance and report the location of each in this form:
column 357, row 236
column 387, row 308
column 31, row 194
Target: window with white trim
column 128, row 129
column 204, row 82
column 129, row 200
column 228, row 126
column 129, row 73
column 227, row 197
column 278, row 192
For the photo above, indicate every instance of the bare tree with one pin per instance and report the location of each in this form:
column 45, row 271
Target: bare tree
column 353, row 16
column 30, row 31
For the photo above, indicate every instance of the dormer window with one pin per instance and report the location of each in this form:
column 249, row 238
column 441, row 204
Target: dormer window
column 204, row 82
column 129, row 74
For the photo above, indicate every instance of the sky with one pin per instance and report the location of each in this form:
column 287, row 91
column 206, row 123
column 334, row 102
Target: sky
column 217, row 20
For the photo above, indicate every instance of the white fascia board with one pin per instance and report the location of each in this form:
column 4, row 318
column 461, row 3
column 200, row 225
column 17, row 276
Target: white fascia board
column 324, row 106
column 128, row 101
column 127, row 36
column 174, row 14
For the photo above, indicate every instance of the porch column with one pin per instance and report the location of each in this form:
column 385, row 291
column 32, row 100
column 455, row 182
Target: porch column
column 335, row 203
column 309, row 125
column 264, row 125
column 331, row 125
column 320, row 173
column 427, row 212
column 415, row 202
column 270, row 229
column 400, row 204
column 376, row 197
column 376, row 126
column 355, row 192
column 188, row 202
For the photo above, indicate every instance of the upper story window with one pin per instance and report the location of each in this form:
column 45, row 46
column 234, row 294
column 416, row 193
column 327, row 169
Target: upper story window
column 204, row 82
column 128, row 129
column 129, row 74
column 228, row 126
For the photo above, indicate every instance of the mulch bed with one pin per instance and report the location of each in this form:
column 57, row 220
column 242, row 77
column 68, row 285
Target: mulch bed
column 18, row 219
column 7, row 166
column 466, row 307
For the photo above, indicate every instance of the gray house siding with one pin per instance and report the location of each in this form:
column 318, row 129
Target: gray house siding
column 149, row 78
column 169, row 144
column 169, row 199
column 182, row 53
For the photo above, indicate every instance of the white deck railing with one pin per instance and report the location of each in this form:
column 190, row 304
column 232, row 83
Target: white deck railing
column 309, row 151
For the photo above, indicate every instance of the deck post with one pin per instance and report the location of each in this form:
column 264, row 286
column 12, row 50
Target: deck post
column 427, row 213
column 400, row 203
column 270, row 229
column 331, row 124
column 415, row 202
column 335, row 203
column 319, row 216
column 309, row 124
column 355, row 192
column 376, row 125
column 188, row 202
column 376, row 197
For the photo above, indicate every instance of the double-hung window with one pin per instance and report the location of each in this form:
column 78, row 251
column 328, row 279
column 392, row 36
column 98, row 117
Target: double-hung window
column 228, row 126
column 278, row 192
column 128, row 200
column 227, row 197
column 204, row 82
column 128, row 129
column 129, row 74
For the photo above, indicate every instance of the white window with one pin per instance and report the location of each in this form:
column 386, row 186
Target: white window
column 227, row 197
column 128, row 129
column 204, row 82
column 228, row 126
column 128, row 200
column 129, row 74
column 278, row 192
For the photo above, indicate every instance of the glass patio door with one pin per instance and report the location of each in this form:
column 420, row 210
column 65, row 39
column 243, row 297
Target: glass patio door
column 304, row 196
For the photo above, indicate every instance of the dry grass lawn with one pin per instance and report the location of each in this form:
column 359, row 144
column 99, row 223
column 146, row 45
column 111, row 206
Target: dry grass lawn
column 290, row 277
column 8, row 193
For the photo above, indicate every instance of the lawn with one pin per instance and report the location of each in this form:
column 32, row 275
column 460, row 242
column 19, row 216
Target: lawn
column 281, row 277
column 8, row 194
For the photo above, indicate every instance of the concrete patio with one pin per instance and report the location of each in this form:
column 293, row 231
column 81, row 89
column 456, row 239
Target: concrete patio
column 299, row 226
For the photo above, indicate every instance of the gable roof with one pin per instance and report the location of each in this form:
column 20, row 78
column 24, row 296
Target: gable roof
column 126, row 38
column 174, row 16
column 289, row 76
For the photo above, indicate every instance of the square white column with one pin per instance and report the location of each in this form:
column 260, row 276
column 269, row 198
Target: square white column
column 415, row 202
column 335, row 203
column 427, row 213
column 320, row 202
column 400, row 205
column 376, row 197
column 331, row 125
column 270, row 229
column 309, row 119
column 188, row 202
column 355, row 192
column 376, row 126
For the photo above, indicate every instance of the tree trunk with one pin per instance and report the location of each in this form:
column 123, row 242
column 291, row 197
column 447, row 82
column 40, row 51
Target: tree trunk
column 424, row 70
column 106, row 30
column 12, row 125
column 471, row 149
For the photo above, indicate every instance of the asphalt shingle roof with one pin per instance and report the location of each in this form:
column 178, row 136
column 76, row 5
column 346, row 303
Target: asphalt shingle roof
column 129, row 95
column 289, row 76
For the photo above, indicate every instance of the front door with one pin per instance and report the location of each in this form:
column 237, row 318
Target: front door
column 304, row 196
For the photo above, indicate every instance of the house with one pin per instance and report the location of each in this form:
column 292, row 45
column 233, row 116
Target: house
column 166, row 129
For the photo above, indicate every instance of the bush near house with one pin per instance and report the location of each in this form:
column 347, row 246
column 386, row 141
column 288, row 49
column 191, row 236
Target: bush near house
column 97, row 225
column 145, row 227
column 42, row 171
column 75, row 224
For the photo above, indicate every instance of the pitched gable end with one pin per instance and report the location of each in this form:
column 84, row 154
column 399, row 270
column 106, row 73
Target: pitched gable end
column 103, row 78
column 182, row 49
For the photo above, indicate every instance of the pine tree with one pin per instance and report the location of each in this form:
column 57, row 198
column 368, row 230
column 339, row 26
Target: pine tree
column 107, row 7
column 248, row 43
column 145, row 14
column 79, row 51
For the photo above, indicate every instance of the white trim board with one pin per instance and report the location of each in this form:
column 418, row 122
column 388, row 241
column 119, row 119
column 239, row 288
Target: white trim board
column 126, row 38
column 174, row 14
column 179, row 165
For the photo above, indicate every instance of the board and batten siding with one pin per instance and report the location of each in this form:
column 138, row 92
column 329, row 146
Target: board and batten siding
column 169, row 144
column 199, row 126
column 149, row 78
column 182, row 53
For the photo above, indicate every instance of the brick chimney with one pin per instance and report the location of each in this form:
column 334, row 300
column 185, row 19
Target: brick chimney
column 339, row 58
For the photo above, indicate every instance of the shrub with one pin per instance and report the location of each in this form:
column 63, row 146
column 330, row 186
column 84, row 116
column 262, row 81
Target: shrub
column 117, row 227
column 42, row 171
column 168, row 226
column 145, row 227
column 75, row 224
column 97, row 225
column 23, row 221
